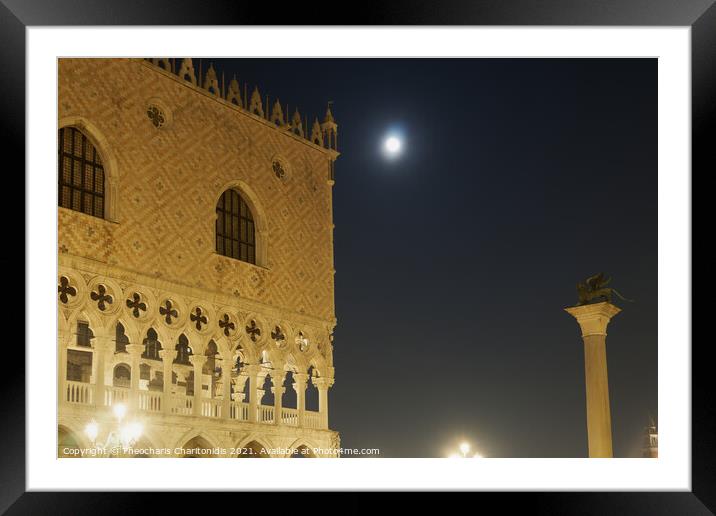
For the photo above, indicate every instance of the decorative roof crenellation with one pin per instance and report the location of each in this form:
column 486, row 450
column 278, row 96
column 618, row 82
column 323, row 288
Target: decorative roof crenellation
column 323, row 135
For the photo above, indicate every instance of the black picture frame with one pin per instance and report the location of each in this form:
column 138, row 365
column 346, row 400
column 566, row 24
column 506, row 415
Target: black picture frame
column 16, row 15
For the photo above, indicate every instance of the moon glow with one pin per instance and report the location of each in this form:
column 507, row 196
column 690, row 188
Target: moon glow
column 393, row 146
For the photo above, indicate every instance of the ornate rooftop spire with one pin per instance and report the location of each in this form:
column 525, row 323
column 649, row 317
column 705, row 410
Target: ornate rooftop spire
column 211, row 82
column 316, row 134
column 296, row 124
column 330, row 129
column 233, row 94
column 186, row 70
column 328, row 119
column 163, row 62
column 277, row 114
column 256, row 106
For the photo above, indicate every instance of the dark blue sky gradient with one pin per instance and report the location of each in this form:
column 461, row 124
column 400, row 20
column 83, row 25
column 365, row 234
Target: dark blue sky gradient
column 454, row 263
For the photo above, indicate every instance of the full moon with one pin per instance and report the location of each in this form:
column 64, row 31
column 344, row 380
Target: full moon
column 392, row 145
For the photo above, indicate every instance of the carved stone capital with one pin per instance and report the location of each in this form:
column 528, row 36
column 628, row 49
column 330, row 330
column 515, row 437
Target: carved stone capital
column 278, row 390
column 197, row 360
column 593, row 319
column 300, row 379
column 135, row 350
column 323, row 383
column 167, row 355
column 277, row 378
column 102, row 342
column 251, row 370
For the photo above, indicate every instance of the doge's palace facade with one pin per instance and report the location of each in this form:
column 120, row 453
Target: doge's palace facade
column 195, row 275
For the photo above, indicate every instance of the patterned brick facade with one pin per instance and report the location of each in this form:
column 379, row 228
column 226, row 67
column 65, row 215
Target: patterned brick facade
column 170, row 178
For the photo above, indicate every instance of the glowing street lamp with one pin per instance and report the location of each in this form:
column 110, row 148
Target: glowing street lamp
column 464, row 448
column 120, row 410
column 121, row 438
column 92, row 429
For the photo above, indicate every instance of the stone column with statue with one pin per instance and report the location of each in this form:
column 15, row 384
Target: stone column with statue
column 593, row 312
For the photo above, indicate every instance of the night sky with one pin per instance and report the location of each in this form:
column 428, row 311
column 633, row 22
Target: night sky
column 518, row 178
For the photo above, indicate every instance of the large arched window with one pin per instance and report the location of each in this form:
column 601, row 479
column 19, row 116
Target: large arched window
column 81, row 174
column 235, row 229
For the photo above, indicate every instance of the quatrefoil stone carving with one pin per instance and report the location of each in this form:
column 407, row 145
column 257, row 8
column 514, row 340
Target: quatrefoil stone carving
column 103, row 299
column 278, row 336
column 168, row 312
column 136, row 304
column 226, row 325
column 198, row 318
column 253, row 331
column 65, row 289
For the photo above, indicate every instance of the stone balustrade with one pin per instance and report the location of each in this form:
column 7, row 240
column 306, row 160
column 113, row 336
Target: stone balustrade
column 82, row 393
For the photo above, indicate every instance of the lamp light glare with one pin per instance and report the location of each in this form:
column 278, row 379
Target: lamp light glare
column 120, row 409
column 125, row 436
column 91, row 430
column 135, row 431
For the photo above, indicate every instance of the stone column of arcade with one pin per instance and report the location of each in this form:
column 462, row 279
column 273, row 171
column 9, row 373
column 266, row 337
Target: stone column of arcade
column 323, row 384
column 593, row 320
column 277, row 378
column 63, row 341
column 252, row 371
column 226, row 390
column 198, row 362
column 135, row 352
column 167, row 357
column 102, row 343
column 299, row 385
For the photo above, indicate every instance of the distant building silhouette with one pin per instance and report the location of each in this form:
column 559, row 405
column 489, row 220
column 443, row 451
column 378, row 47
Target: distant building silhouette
column 651, row 440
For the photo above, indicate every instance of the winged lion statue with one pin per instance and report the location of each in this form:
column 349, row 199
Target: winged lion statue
column 595, row 290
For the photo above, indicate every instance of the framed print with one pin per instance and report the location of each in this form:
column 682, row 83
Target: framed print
column 398, row 248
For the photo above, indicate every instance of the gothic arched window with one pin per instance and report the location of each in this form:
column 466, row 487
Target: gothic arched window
column 121, row 340
column 122, row 375
column 81, row 174
column 235, row 229
column 84, row 335
column 183, row 351
column 152, row 346
column 211, row 353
